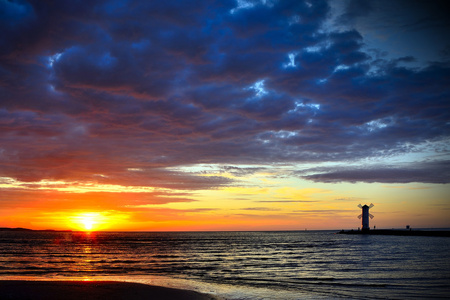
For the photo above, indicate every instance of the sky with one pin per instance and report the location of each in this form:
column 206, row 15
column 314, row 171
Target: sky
column 224, row 115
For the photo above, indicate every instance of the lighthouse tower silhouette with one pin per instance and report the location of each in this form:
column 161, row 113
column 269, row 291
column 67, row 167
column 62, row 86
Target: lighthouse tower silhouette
column 365, row 216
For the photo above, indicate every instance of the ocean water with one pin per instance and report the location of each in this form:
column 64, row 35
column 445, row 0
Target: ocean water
column 239, row 265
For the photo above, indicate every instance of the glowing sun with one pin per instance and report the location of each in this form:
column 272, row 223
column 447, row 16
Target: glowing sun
column 95, row 221
column 88, row 221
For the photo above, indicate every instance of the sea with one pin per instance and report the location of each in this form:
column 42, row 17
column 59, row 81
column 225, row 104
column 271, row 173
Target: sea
column 239, row 265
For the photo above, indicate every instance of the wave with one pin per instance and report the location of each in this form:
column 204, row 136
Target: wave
column 318, row 262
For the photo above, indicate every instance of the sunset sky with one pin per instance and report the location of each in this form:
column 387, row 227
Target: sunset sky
column 224, row 115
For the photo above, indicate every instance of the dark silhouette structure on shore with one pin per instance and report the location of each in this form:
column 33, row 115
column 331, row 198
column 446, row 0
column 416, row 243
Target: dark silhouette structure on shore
column 365, row 216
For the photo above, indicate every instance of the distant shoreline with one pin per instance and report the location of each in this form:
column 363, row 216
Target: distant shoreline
column 32, row 230
column 399, row 232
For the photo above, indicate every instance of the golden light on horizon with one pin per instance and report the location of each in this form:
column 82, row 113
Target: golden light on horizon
column 88, row 221
column 91, row 221
column 290, row 205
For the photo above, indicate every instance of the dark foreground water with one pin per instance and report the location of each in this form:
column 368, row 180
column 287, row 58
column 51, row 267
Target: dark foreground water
column 239, row 265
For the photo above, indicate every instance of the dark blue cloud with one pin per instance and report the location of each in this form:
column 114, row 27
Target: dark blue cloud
column 427, row 173
column 113, row 85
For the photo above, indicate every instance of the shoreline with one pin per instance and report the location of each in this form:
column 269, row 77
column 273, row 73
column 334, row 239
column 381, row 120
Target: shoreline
column 90, row 290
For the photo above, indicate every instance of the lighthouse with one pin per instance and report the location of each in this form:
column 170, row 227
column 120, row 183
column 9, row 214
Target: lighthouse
column 365, row 216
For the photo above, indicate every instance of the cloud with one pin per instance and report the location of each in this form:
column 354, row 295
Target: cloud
column 260, row 208
column 436, row 172
column 286, row 201
column 388, row 25
column 122, row 85
column 58, row 200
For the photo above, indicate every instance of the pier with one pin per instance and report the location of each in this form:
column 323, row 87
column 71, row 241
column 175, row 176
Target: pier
column 398, row 232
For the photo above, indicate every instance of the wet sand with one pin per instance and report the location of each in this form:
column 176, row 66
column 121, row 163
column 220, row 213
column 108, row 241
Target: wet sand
column 89, row 290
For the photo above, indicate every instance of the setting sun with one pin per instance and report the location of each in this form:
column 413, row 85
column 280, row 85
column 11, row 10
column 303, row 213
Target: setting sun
column 88, row 221
column 95, row 221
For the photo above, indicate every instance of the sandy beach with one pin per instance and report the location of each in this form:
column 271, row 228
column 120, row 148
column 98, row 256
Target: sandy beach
column 68, row 290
